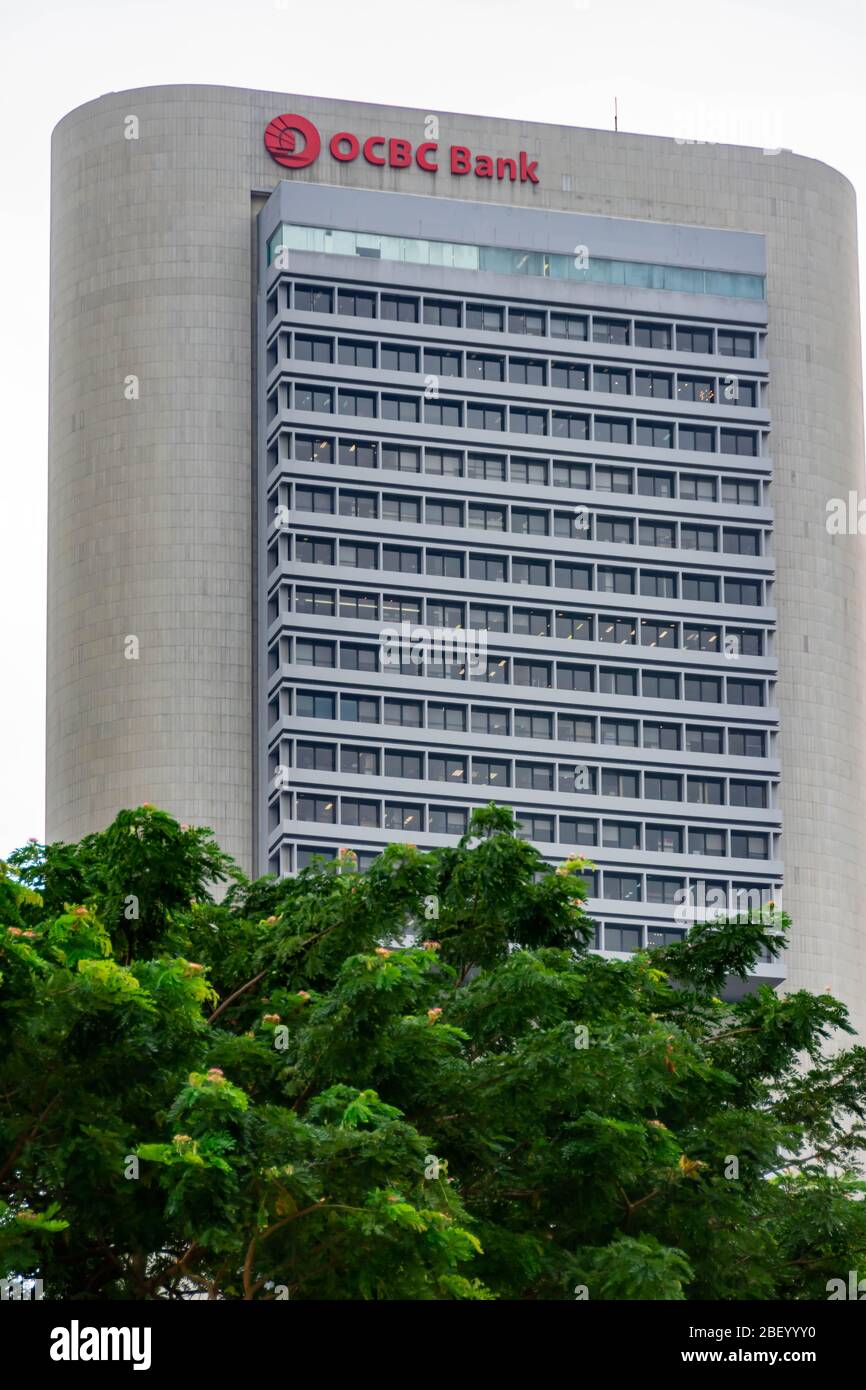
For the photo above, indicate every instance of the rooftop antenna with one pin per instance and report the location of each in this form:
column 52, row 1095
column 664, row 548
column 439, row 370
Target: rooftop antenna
column 615, row 115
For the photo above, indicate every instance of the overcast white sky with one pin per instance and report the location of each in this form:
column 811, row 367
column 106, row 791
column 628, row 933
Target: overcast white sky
column 756, row 72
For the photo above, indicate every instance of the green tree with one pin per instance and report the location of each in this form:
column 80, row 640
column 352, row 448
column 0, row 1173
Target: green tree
column 414, row 1082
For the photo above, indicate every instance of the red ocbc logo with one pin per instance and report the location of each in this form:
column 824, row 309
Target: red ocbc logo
column 281, row 141
column 281, row 137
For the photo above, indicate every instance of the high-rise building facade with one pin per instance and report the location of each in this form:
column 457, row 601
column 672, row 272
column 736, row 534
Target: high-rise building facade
column 405, row 461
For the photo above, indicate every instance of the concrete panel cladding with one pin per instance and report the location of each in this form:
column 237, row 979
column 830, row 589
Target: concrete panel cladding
column 149, row 531
column 151, row 445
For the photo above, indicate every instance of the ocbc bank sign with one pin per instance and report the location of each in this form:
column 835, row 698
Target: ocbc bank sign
column 294, row 142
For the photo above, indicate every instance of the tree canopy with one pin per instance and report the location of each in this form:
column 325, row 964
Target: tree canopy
column 415, row 1082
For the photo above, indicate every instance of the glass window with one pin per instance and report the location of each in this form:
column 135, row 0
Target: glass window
column 568, row 326
column 701, row 587
column 401, row 308
column 566, row 425
column 321, row 809
column 362, row 557
column 536, row 776
column 706, row 689
column 746, row 743
column 622, row 732
column 527, row 371
column 313, row 653
column 363, row 762
column 657, row 533
column 528, row 522
column 357, row 605
column 443, row 462
column 614, row 680
column 574, row 729
column 661, row 685
column 698, row 637
column 618, row 834
column 526, row 471
column 402, row 764
column 397, row 459
column 314, row 299
column 316, row 705
column 699, row 537
column 443, row 312
column 621, row 938
column 745, row 692
column 746, row 592
column 738, row 541
column 656, row 384
column 749, row 846
column 743, row 442
column 313, row 550
column 404, row 712
column 527, row 421
column 611, row 430
column 310, row 349
column 655, row 434
column 359, row 709
column 356, row 302
column 613, row 380
column 571, row 376
column 318, row 757
column 401, row 558
column 694, row 339
column 657, row 634
column 652, row 335
column 701, row 738
column 653, row 484
column 355, row 812
column 736, row 344
column 488, row 772
column 527, row 321
column 530, row 572
column 482, row 366
column 622, row 887
column 663, row 839
column 752, row 794
column 695, row 488
column 610, row 330
column 571, row 475
column 354, row 656
column 487, row 720
column 448, row 563
column 610, row 580
column 447, row 820
column 656, row 735
column 701, row 441
column 320, row 601
column 358, row 503
column 706, row 791
column 696, row 388
column 491, row 568
column 444, row 513
column 532, row 724
column 437, row 362
column 617, row 783
column 658, row 584
column 576, row 830
column 403, row 815
column 358, row 453
column 484, row 417
column 744, row 492
column 487, row 317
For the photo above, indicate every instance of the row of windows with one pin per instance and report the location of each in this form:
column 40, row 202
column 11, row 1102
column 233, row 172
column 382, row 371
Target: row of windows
column 492, row 568
column 540, row 675
column 496, row 468
column 560, row 623
column 578, row 523
column 545, row 829
column 455, row 413
column 484, row 770
column 375, row 709
column 527, row 622
column 569, row 374
column 739, row 897
column 536, row 322
column 622, row 733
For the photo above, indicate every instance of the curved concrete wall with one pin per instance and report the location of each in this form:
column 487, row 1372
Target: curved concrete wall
column 150, row 501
